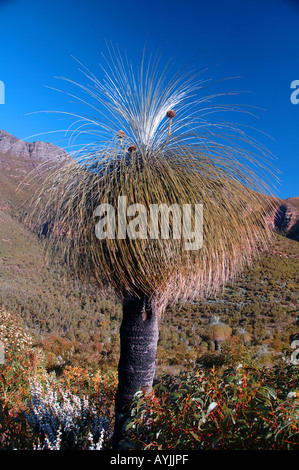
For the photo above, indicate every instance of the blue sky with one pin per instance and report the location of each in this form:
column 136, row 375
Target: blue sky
column 257, row 41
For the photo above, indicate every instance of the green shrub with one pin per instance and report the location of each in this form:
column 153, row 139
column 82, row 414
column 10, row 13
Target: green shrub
column 236, row 405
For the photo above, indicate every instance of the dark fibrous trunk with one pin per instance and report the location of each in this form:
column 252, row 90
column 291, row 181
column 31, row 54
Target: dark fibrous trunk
column 138, row 348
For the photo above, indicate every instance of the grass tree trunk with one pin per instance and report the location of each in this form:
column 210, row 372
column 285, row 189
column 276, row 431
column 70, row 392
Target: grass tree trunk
column 139, row 334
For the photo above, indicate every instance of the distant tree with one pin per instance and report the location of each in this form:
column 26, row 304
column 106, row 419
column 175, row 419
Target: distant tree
column 166, row 153
column 244, row 336
column 217, row 332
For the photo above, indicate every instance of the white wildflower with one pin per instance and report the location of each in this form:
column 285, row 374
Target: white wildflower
column 61, row 421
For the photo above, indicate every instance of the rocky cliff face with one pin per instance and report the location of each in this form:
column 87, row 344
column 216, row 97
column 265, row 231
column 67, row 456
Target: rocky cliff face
column 15, row 147
column 286, row 220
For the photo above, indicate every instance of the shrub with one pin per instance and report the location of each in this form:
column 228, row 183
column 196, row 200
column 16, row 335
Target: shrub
column 100, row 387
column 230, row 407
column 61, row 420
column 21, row 360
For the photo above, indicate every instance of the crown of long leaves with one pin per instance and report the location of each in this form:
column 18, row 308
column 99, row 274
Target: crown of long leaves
column 153, row 144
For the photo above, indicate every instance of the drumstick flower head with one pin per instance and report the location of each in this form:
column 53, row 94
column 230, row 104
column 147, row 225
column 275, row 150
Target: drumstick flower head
column 171, row 114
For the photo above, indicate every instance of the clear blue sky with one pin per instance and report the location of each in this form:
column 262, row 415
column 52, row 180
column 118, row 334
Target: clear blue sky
column 256, row 40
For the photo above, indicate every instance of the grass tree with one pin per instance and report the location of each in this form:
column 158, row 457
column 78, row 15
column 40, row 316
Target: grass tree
column 244, row 335
column 154, row 151
column 217, row 331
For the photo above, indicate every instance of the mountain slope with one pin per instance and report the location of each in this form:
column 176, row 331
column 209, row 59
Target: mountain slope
column 35, row 151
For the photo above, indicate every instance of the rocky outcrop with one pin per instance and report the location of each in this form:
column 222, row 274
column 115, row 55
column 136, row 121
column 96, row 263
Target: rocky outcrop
column 37, row 150
column 286, row 220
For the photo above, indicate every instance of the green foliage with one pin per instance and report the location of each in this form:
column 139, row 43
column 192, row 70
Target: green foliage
column 232, row 406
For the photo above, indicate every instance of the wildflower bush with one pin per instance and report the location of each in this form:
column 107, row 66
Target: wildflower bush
column 229, row 405
column 100, row 387
column 41, row 410
column 20, row 358
column 64, row 421
column 20, row 361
